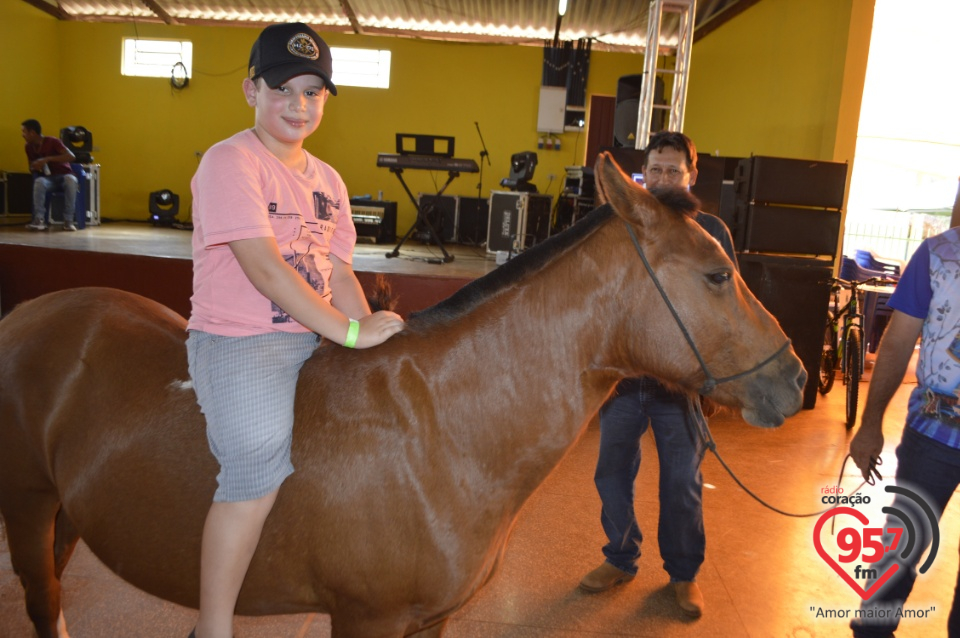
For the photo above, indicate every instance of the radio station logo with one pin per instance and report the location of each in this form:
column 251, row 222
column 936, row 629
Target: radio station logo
column 867, row 552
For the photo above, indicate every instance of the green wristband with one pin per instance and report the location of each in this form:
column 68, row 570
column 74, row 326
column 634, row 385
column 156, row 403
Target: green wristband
column 352, row 333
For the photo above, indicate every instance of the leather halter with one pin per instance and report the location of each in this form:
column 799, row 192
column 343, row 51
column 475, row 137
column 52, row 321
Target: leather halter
column 711, row 382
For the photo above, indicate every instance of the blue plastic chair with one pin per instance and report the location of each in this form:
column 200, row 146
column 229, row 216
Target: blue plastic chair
column 868, row 259
column 853, row 271
column 875, row 311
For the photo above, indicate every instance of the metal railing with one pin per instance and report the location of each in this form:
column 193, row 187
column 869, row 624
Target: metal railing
column 891, row 234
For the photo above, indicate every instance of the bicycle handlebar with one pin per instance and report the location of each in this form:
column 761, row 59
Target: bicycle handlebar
column 853, row 285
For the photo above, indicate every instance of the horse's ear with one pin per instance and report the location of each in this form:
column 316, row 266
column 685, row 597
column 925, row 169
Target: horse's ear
column 630, row 200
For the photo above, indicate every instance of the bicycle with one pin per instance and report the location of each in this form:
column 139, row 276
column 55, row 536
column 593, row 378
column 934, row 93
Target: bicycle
column 845, row 345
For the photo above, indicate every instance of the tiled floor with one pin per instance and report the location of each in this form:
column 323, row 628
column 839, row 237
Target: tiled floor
column 762, row 577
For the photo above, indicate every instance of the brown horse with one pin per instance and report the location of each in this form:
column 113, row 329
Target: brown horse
column 413, row 458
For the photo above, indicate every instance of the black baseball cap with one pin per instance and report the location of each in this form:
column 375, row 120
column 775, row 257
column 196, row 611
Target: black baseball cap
column 284, row 51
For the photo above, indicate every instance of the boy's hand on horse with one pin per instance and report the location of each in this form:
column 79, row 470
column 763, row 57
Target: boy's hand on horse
column 377, row 328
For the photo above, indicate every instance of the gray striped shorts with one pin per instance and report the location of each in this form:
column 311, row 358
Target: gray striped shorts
column 245, row 387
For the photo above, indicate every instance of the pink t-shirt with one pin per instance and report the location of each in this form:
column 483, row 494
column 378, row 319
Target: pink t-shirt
column 241, row 191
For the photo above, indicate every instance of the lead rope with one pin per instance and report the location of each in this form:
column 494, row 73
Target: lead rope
column 703, row 430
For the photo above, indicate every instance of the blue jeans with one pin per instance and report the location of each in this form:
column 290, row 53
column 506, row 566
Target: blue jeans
column 43, row 184
column 636, row 405
column 934, row 469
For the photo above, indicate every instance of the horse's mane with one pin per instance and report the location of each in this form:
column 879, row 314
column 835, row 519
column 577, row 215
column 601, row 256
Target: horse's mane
column 678, row 200
column 477, row 291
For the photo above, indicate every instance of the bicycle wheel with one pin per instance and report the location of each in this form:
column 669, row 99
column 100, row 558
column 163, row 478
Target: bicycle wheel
column 828, row 360
column 853, row 354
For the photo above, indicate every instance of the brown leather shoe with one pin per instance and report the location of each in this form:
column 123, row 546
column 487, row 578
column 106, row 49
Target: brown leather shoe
column 689, row 598
column 603, row 578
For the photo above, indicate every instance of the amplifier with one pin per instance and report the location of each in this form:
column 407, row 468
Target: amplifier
column 517, row 220
column 374, row 219
column 579, row 181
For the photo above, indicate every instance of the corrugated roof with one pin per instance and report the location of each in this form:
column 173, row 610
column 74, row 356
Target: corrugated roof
column 611, row 24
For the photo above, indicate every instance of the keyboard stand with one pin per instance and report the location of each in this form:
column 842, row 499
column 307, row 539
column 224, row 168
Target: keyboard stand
column 422, row 219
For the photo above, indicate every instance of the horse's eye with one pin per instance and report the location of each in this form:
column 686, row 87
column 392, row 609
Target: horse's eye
column 719, row 278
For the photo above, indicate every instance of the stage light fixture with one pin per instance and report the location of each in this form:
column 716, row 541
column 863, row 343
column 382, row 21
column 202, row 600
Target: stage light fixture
column 521, row 172
column 80, row 142
column 164, row 206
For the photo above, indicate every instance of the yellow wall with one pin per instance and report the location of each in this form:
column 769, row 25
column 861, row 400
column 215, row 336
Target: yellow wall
column 30, row 53
column 768, row 82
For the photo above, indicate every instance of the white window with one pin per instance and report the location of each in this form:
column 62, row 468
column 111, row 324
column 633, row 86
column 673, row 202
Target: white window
column 361, row 67
column 155, row 58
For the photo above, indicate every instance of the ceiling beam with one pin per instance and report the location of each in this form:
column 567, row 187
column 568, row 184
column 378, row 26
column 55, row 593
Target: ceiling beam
column 351, row 16
column 55, row 10
column 160, row 11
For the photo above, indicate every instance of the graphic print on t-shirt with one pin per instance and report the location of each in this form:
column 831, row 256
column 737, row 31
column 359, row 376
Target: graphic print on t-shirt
column 322, row 205
column 300, row 247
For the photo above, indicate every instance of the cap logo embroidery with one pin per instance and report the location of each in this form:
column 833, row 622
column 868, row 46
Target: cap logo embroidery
column 303, row 46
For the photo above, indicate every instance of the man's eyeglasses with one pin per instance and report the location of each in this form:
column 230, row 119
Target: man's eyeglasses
column 670, row 172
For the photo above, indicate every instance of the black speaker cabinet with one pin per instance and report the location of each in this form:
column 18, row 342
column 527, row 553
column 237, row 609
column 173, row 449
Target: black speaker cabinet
column 791, row 182
column 375, row 219
column 442, row 212
column 517, row 220
column 18, row 195
column 788, row 229
column 628, row 109
column 796, row 291
column 727, row 208
column 472, row 221
column 712, row 174
column 788, row 205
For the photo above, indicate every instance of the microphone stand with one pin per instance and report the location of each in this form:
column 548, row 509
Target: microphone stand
column 483, row 154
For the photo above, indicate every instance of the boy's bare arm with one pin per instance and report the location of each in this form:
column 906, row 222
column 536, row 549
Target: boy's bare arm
column 348, row 296
column 263, row 264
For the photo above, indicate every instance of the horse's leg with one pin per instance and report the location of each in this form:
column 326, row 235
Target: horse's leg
column 65, row 537
column 31, row 536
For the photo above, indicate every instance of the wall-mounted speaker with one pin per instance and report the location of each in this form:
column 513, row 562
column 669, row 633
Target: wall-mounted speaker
column 628, row 110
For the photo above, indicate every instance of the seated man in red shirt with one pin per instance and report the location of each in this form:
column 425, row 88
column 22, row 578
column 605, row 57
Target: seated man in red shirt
column 50, row 164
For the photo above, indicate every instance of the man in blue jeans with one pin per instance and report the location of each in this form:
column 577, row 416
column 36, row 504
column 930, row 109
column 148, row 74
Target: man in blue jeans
column 928, row 457
column 49, row 162
column 637, row 404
